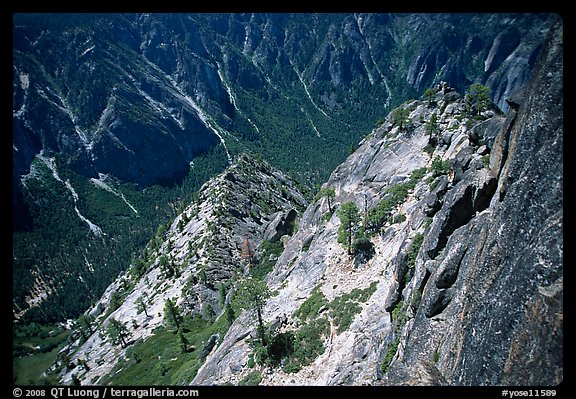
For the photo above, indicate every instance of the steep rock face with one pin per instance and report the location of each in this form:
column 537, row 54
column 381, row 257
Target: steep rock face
column 468, row 288
column 198, row 252
column 491, row 310
column 314, row 260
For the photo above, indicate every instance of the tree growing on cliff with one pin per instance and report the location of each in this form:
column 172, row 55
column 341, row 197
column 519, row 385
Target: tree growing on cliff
column 252, row 294
column 400, row 117
column 429, row 95
column 330, row 194
column 478, row 99
column 349, row 220
column 431, row 126
column 117, row 332
column 172, row 315
column 141, row 306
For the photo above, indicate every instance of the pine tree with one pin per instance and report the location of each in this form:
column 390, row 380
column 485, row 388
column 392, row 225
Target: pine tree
column 115, row 300
column 432, row 125
column 141, row 306
column 85, row 322
column 183, row 342
column 221, row 295
column 429, row 95
column 230, row 316
column 75, row 381
column 166, row 266
column 349, row 219
column 478, row 99
column 329, row 193
column 252, row 295
column 172, row 315
column 400, row 117
column 85, row 326
column 117, row 332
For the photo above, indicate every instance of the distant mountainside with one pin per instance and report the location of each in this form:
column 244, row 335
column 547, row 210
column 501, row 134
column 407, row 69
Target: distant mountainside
column 118, row 118
column 433, row 255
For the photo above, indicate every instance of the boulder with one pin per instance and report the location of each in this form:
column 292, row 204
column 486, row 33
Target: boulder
column 281, row 225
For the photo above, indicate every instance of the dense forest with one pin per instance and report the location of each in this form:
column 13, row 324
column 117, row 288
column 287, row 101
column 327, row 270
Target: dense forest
column 61, row 245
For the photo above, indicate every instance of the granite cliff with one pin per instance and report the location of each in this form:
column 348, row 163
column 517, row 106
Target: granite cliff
column 460, row 282
column 455, row 276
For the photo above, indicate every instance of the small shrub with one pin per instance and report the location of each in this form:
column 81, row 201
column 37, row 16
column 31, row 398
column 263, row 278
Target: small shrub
column 252, row 379
column 363, row 244
column 416, row 297
column 429, row 149
column 308, row 345
column 399, row 319
column 413, row 250
column 312, row 305
column 440, row 167
column 390, row 353
column 393, row 196
column 251, row 363
column 281, row 346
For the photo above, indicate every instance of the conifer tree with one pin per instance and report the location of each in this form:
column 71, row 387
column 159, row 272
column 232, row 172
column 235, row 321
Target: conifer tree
column 349, row 219
column 330, row 194
column 172, row 315
column 117, row 332
column 252, row 295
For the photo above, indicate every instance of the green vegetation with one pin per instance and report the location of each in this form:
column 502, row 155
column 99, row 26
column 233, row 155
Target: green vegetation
column 349, row 219
column 230, row 314
column 308, row 345
column 252, row 379
column 311, row 306
column 393, row 196
column 399, row 319
column 117, row 332
column 344, row 307
column 85, row 326
column 330, row 194
column 61, row 247
column 293, row 350
column 477, row 100
column 429, row 95
column 416, row 298
column 252, row 295
column 269, row 251
column 400, row 117
column 440, row 167
column 431, row 127
column 413, row 250
column 160, row 358
column 35, row 348
column 172, row 316
column 362, row 243
column 436, row 356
